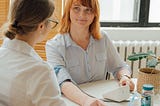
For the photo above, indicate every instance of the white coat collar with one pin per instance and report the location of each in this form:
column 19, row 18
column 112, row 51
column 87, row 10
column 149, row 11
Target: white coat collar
column 20, row 46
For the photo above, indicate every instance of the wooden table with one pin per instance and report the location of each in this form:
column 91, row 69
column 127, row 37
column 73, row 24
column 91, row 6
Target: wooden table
column 98, row 88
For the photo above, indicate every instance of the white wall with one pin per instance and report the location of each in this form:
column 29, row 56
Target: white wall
column 133, row 33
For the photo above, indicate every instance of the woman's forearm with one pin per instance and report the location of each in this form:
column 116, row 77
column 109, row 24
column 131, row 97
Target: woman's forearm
column 73, row 93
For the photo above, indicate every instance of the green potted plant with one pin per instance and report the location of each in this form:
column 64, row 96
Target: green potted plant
column 152, row 62
column 148, row 74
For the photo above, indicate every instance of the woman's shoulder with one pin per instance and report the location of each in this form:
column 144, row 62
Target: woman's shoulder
column 44, row 66
column 103, row 33
column 104, row 36
column 34, row 72
column 33, row 67
column 37, row 64
column 58, row 39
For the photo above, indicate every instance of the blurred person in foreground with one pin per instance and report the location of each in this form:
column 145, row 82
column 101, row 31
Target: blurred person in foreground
column 25, row 79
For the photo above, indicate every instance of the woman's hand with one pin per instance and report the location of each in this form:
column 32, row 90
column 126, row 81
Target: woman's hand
column 127, row 81
column 93, row 102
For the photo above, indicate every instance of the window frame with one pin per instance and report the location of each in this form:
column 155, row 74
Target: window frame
column 142, row 22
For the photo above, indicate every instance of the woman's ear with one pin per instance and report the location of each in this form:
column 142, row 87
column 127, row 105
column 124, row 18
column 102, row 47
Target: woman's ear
column 41, row 26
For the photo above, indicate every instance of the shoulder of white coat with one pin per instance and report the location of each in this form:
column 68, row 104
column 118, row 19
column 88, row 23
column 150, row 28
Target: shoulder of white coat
column 41, row 65
column 34, row 69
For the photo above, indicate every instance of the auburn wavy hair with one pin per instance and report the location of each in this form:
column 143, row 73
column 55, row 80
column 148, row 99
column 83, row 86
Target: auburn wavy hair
column 95, row 25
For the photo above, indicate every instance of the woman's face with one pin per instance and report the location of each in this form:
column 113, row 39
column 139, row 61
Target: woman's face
column 80, row 15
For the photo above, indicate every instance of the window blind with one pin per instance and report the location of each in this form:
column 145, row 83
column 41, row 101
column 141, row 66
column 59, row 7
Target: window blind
column 4, row 5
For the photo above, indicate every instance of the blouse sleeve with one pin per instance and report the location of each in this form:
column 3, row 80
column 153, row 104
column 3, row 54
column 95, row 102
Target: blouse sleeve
column 114, row 61
column 55, row 52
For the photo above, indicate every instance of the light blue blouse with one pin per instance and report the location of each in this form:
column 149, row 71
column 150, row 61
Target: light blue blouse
column 70, row 61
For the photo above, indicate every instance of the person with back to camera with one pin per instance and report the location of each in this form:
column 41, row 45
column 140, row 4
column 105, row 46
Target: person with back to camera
column 82, row 53
column 25, row 79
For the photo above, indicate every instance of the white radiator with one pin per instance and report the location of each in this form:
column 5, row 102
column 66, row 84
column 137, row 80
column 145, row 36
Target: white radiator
column 126, row 48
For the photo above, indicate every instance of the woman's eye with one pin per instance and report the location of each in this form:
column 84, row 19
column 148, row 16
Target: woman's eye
column 76, row 9
column 88, row 10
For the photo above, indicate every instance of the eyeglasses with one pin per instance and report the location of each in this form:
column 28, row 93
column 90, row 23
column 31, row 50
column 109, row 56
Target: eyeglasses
column 53, row 23
column 86, row 10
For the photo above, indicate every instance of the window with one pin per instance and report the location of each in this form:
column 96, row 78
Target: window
column 119, row 11
column 154, row 16
column 129, row 13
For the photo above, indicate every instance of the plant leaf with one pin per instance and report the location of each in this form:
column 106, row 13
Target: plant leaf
column 137, row 56
column 152, row 63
